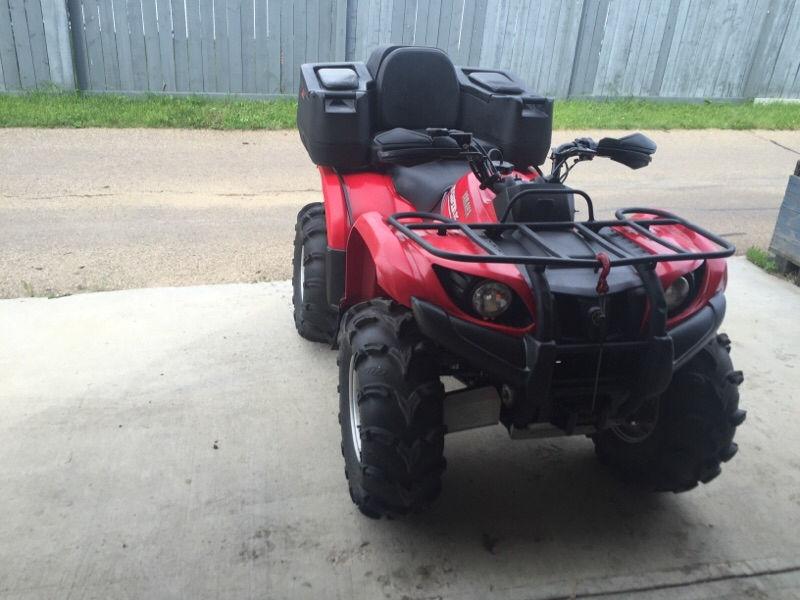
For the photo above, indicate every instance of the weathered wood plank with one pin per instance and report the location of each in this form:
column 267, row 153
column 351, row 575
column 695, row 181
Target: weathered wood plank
column 396, row 21
column 262, row 50
column 94, row 46
column 37, row 42
column 507, row 36
column 527, row 66
column 180, row 46
column 489, row 43
column 194, row 45
column 476, row 34
column 287, row 47
column 589, row 45
column 786, row 237
column 248, row 47
column 311, row 53
column 123, row 43
column 672, row 60
column 340, row 50
column 2, row 76
column 787, row 61
column 325, row 20
column 379, row 27
column 546, row 58
column 165, row 47
column 384, row 25
column 221, row 67
column 300, row 38
column 155, row 80
column 139, row 60
column 360, row 12
column 410, row 21
column 351, row 22
column 19, row 25
column 658, row 16
column 671, row 48
column 274, row 58
column 206, row 10
column 742, row 49
column 702, row 40
column 8, row 50
column 108, row 39
column 637, row 48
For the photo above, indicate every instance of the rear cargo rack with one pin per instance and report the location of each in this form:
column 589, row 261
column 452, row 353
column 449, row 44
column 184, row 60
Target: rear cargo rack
column 589, row 230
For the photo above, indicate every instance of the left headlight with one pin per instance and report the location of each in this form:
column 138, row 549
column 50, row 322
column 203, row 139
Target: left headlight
column 490, row 299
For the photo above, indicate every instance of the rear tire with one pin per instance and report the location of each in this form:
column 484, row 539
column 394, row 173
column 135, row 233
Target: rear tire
column 390, row 410
column 314, row 318
column 696, row 420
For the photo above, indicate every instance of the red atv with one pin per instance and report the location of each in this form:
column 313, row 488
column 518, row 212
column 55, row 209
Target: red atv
column 461, row 291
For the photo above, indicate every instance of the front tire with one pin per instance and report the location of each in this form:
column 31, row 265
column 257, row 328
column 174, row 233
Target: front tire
column 390, row 410
column 688, row 432
column 314, row 318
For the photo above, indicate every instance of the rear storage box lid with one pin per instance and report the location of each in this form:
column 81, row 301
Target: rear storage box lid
column 334, row 113
column 496, row 107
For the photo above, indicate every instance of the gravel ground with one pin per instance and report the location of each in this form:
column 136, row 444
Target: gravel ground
column 104, row 209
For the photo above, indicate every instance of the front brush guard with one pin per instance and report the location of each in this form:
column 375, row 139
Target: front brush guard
column 527, row 363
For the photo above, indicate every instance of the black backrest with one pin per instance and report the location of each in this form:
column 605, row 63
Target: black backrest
column 416, row 87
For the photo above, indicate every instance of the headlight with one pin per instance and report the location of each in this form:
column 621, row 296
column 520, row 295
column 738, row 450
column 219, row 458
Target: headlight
column 677, row 293
column 491, row 299
column 484, row 298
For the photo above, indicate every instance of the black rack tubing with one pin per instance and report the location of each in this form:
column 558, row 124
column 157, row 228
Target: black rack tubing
column 441, row 223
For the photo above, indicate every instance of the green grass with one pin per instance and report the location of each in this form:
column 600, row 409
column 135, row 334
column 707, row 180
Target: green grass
column 53, row 109
column 42, row 109
column 762, row 259
column 641, row 114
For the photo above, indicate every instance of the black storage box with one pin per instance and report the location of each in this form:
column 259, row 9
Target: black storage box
column 334, row 113
column 496, row 107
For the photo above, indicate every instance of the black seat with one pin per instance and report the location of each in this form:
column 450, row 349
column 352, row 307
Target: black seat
column 424, row 185
column 416, row 88
column 410, row 146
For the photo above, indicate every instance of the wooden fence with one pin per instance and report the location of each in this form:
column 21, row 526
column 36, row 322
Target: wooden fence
column 723, row 49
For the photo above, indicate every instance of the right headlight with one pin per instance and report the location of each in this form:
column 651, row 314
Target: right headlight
column 484, row 298
column 490, row 299
column 683, row 291
column 677, row 293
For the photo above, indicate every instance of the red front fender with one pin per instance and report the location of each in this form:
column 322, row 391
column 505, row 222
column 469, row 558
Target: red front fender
column 377, row 263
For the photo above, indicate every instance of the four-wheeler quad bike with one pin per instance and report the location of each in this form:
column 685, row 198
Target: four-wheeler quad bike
column 441, row 250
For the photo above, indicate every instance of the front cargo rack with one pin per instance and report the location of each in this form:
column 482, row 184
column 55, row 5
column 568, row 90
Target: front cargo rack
column 589, row 230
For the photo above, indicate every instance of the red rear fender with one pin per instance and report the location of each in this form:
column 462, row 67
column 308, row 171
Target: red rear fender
column 350, row 195
column 337, row 217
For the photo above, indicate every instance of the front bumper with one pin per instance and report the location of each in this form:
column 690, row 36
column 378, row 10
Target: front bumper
column 535, row 367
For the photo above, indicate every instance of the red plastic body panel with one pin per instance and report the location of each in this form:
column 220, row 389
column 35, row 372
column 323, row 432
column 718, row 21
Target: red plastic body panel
column 382, row 262
column 716, row 269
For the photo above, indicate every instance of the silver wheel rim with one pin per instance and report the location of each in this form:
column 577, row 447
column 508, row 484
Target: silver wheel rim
column 355, row 417
column 302, row 272
column 639, row 426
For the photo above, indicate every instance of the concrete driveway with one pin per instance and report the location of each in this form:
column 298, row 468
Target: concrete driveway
column 183, row 443
column 110, row 209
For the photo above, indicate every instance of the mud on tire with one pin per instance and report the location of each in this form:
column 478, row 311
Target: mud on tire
column 314, row 318
column 392, row 374
column 693, row 434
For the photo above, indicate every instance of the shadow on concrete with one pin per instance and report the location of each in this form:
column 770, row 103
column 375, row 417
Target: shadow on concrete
column 548, row 493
